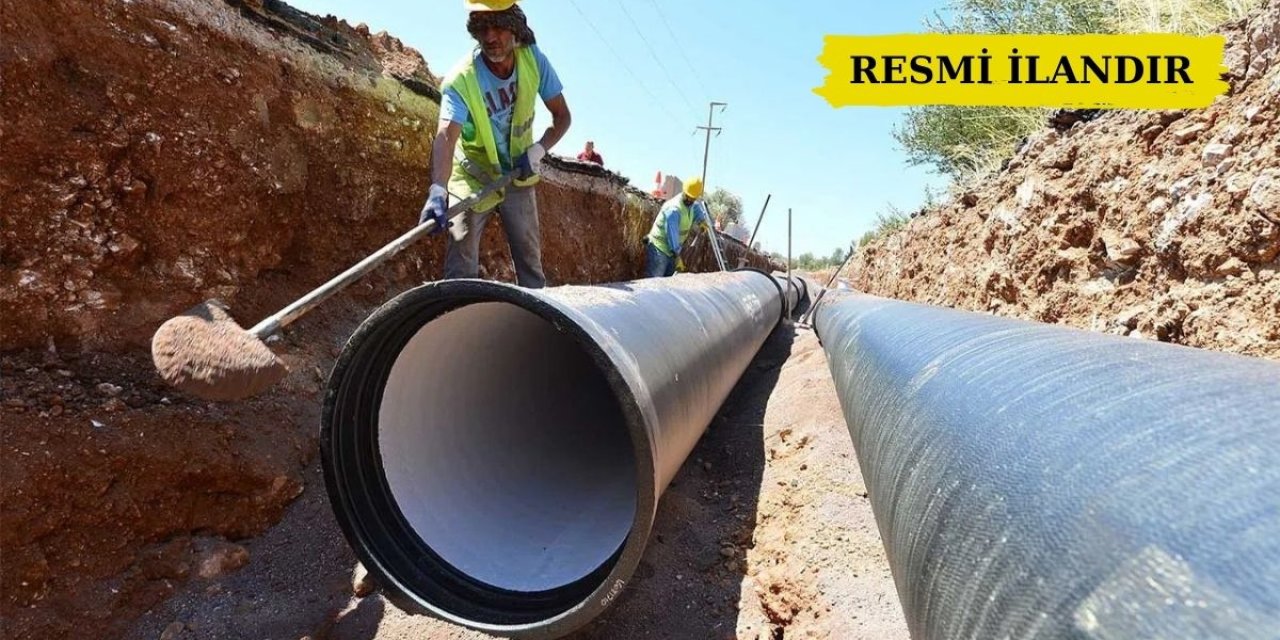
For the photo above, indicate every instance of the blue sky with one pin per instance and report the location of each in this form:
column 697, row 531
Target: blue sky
column 641, row 98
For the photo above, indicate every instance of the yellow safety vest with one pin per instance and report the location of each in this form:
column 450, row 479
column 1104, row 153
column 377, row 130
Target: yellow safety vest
column 475, row 161
column 658, row 234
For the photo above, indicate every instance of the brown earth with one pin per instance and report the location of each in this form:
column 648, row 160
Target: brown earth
column 1156, row 225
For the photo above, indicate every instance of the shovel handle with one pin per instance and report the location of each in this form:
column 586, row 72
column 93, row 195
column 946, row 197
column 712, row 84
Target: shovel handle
column 301, row 306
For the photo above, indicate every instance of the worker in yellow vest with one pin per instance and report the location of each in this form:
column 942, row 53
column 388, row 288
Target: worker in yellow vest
column 671, row 228
column 486, row 111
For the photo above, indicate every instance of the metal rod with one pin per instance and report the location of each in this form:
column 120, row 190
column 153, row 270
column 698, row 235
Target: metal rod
column 306, row 303
column 788, row 248
column 1034, row 480
column 814, row 307
column 514, row 493
column 715, row 248
column 750, row 243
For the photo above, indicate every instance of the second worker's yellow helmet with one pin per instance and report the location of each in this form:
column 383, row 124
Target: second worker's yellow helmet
column 693, row 187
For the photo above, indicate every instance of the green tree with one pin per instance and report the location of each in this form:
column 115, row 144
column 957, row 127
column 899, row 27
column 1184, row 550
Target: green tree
column 725, row 206
column 837, row 256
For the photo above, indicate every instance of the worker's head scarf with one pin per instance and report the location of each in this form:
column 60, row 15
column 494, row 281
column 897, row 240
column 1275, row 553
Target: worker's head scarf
column 512, row 19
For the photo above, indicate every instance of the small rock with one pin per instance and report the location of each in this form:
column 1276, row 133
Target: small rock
column 728, row 552
column 1252, row 114
column 1120, row 248
column 222, row 558
column 1062, row 158
column 113, row 405
column 124, row 245
column 706, row 465
column 56, row 410
column 1265, row 192
column 1151, row 132
column 108, row 389
column 1226, row 166
column 172, row 631
column 1231, row 267
column 1214, row 153
column 362, row 584
column 1187, row 134
column 1159, row 205
column 1239, row 182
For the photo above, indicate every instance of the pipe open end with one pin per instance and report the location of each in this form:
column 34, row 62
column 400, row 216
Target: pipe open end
column 505, row 449
column 485, row 460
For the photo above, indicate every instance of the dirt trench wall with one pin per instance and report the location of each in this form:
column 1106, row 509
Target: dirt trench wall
column 1158, row 225
column 160, row 153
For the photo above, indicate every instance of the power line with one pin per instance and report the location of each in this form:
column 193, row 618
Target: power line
column 654, row 54
column 679, row 49
column 623, row 62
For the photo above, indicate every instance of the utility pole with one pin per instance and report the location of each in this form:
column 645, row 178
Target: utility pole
column 706, row 149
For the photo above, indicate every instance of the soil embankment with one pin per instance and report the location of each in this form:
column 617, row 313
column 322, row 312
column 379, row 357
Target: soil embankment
column 1156, row 225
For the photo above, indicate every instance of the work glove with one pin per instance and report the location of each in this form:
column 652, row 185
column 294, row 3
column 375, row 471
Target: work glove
column 436, row 208
column 529, row 162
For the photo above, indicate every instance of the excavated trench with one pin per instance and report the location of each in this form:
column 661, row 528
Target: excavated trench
column 179, row 155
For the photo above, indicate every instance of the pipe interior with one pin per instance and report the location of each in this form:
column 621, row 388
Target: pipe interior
column 505, row 449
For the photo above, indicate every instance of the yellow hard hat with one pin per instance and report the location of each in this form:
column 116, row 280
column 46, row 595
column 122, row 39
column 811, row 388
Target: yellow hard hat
column 488, row 5
column 693, row 187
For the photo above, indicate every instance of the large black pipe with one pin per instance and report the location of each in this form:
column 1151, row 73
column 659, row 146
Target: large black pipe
column 1034, row 481
column 494, row 454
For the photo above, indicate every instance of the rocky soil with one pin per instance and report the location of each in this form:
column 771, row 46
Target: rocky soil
column 1157, row 225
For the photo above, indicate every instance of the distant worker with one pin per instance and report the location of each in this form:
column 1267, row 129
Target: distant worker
column 671, row 228
column 486, row 110
column 589, row 154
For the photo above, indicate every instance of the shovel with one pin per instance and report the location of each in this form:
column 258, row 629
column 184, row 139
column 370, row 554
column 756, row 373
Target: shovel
column 205, row 353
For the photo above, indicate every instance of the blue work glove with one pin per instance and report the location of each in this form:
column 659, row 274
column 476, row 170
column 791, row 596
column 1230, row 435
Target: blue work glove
column 436, row 208
column 529, row 162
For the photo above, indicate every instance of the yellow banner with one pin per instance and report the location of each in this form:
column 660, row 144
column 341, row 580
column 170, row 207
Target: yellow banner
column 1142, row 71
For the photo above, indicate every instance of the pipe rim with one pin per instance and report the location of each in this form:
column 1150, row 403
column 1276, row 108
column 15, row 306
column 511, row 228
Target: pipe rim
column 777, row 285
column 351, row 463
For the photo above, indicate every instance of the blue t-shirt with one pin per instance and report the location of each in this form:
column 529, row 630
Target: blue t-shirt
column 500, row 99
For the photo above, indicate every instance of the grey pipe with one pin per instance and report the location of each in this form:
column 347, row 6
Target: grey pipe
column 494, row 455
column 1034, row 481
column 796, row 288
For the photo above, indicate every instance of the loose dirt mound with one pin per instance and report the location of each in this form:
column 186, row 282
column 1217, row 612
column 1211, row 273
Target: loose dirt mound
column 1160, row 225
